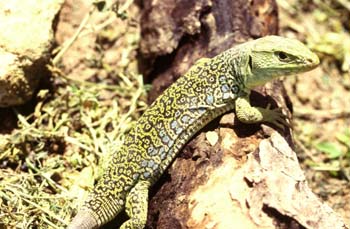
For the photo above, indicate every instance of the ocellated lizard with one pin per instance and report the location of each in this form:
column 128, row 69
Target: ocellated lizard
column 210, row 88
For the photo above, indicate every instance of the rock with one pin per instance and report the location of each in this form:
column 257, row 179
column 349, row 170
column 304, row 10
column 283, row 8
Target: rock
column 26, row 40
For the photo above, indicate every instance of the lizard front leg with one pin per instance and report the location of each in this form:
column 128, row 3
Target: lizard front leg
column 249, row 114
column 136, row 206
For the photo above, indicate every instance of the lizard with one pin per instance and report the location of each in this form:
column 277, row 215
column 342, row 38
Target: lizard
column 210, row 88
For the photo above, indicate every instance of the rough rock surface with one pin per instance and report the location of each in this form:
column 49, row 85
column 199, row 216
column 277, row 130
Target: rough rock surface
column 226, row 177
column 26, row 40
column 177, row 33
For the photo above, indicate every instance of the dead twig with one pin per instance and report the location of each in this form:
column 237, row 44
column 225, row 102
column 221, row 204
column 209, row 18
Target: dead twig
column 322, row 115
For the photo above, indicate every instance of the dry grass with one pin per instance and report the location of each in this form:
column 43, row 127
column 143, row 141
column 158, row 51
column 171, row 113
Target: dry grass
column 53, row 157
column 69, row 132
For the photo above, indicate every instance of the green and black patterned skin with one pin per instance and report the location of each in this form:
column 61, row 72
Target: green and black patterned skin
column 210, row 88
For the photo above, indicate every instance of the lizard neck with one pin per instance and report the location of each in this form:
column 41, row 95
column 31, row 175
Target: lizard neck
column 237, row 63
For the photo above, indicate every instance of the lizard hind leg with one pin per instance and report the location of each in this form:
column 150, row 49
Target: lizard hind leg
column 136, row 206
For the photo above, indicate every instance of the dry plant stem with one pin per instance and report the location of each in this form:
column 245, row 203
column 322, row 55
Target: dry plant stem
column 69, row 43
column 304, row 149
column 102, row 86
column 79, row 33
column 107, row 22
column 321, row 114
column 26, row 198
column 345, row 3
column 50, row 223
column 126, row 5
column 52, row 183
column 45, row 211
column 77, row 143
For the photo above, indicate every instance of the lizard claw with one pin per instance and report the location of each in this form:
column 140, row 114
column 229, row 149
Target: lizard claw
column 276, row 117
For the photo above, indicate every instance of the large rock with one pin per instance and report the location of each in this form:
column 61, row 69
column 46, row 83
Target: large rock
column 26, row 40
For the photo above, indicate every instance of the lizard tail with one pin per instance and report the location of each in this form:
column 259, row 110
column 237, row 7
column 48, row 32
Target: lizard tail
column 97, row 212
column 83, row 220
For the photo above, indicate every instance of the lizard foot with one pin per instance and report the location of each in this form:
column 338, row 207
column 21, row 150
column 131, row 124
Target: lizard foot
column 275, row 116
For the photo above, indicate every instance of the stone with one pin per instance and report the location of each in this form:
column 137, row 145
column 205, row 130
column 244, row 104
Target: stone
column 26, row 40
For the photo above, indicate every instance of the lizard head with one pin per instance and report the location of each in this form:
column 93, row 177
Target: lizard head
column 274, row 56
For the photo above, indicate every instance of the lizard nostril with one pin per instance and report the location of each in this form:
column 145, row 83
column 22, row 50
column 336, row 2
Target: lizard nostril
column 314, row 60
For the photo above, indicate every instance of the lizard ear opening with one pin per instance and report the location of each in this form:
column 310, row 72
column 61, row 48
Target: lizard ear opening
column 250, row 63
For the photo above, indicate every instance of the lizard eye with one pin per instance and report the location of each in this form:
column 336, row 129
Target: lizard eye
column 282, row 56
